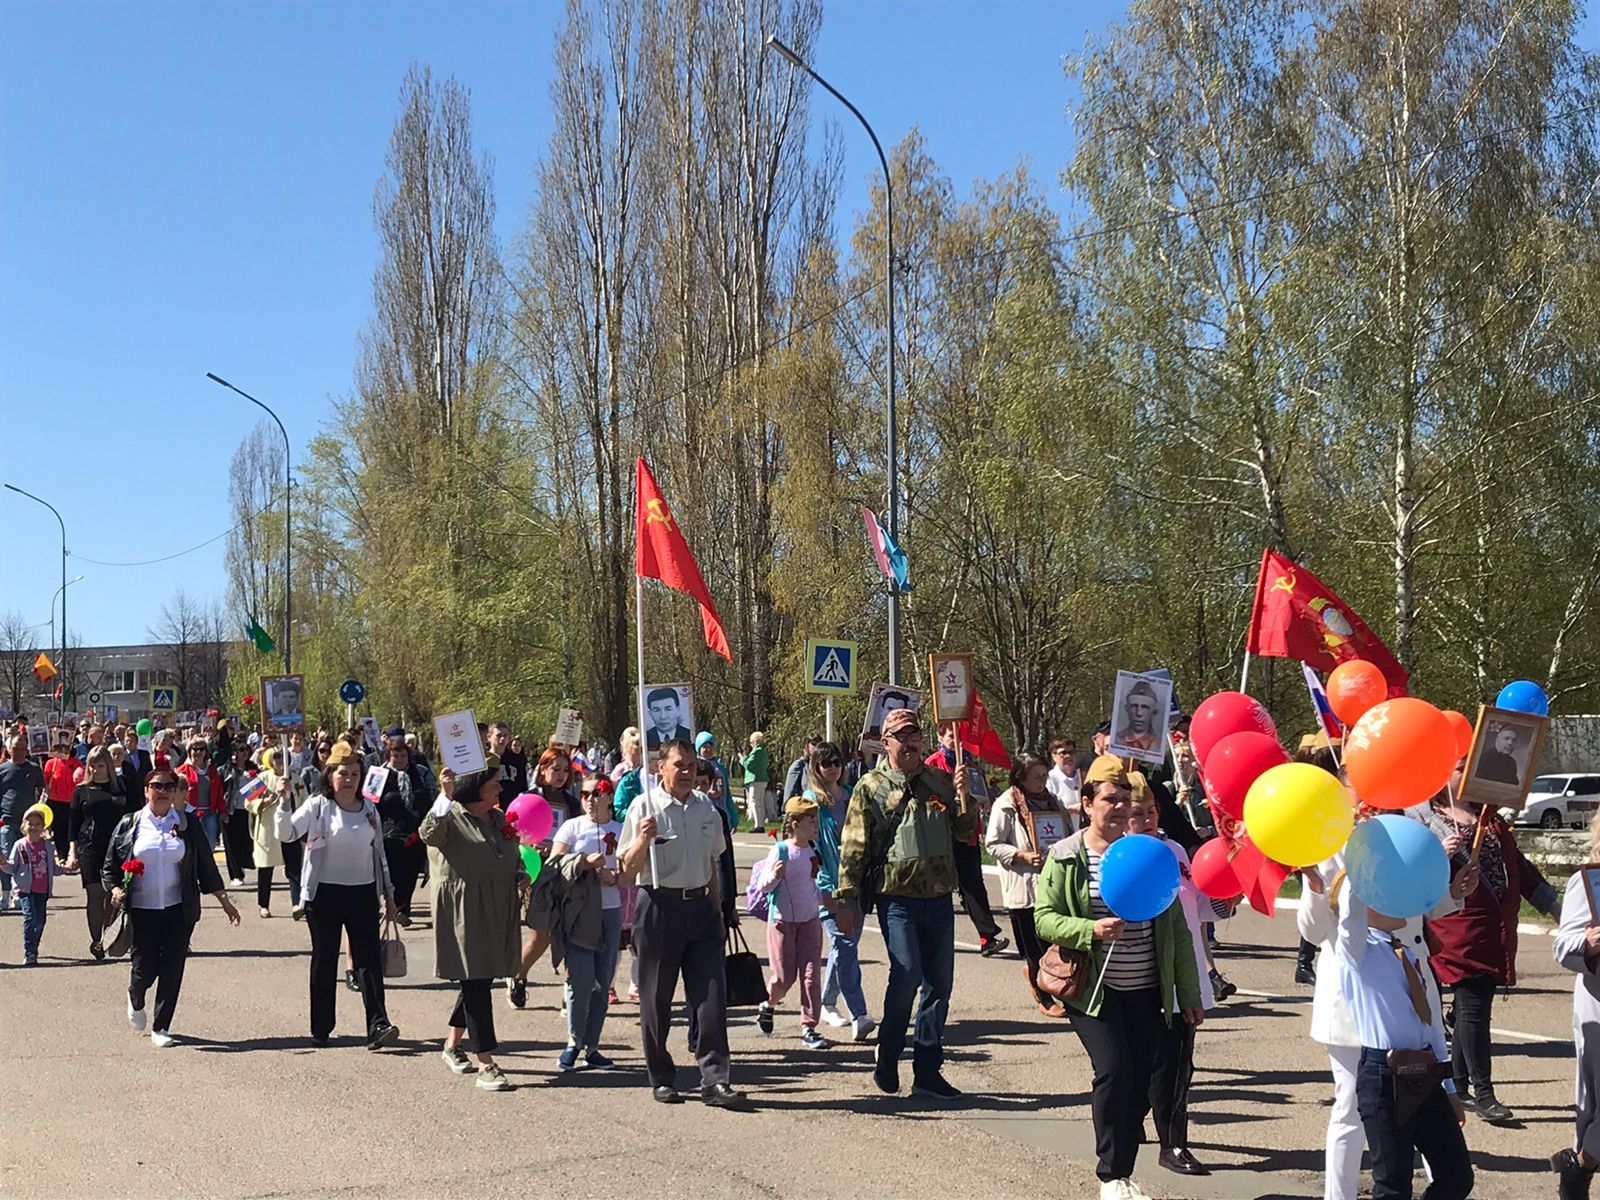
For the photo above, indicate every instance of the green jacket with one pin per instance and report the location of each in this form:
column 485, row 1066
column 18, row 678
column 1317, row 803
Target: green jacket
column 919, row 863
column 755, row 765
column 1063, row 916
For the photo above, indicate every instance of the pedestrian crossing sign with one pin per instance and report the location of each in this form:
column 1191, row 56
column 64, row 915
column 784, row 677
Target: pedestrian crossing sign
column 163, row 699
column 830, row 667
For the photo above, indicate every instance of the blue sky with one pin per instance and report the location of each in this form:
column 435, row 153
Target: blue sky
column 186, row 187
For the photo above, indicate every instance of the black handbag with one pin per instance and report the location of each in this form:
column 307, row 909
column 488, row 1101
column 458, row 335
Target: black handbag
column 747, row 983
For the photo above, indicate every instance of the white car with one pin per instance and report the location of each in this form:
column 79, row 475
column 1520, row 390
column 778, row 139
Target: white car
column 1558, row 802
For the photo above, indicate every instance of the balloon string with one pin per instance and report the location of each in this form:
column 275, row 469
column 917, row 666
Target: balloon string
column 1095, row 995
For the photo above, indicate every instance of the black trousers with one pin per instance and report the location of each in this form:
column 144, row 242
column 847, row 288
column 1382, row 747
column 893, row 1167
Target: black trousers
column 1432, row 1130
column 1472, row 1048
column 677, row 935
column 60, row 834
column 238, row 851
column 1169, row 1082
column 345, row 909
column 474, row 1012
column 96, row 900
column 1027, row 939
column 974, row 895
column 1121, row 1042
column 294, row 857
column 405, row 865
column 159, row 953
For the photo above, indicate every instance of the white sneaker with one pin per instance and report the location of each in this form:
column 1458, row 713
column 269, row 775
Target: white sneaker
column 831, row 1016
column 863, row 1028
column 162, row 1039
column 135, row 1017
column 1120, row 1189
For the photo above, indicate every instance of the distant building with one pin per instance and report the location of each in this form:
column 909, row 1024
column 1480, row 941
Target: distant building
column 123, row 677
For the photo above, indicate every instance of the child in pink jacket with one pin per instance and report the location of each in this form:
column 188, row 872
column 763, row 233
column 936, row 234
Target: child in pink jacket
column 794, row 922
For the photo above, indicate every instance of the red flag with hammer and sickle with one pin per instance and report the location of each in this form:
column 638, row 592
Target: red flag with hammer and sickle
column 663, row 554
column 1298, row 616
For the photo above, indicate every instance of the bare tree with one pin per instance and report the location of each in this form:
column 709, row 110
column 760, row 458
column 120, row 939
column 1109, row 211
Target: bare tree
column 194, row 651
column 19, row 646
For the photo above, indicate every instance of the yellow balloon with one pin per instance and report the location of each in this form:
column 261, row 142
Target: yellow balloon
column 1298, row 814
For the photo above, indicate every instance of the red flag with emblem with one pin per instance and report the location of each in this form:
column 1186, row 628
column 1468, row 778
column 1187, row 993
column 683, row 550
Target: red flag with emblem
column 1296, row 615
column 661, row 553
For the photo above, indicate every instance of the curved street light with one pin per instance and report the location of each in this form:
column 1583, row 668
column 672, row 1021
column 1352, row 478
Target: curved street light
column 14, row 488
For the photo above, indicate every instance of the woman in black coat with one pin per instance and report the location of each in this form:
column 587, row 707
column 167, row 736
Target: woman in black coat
column 98, row 804
column 174, row 867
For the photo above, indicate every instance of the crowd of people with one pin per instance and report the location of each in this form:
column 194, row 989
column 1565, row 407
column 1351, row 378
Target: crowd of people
column 639, row 857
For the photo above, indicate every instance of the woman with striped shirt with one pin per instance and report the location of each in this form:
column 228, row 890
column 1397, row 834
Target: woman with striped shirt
column 1150, row 982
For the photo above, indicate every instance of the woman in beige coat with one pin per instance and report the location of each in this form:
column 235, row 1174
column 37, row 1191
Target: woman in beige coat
column 266, row 851
column 478, row 883
column 1024, row 823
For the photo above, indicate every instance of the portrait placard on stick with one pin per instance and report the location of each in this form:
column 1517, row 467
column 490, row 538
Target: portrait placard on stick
column 884, row 699
column 569, row 727
column 460, row 747
column 951, row 677
column 1139, row 711
column 1503, row 759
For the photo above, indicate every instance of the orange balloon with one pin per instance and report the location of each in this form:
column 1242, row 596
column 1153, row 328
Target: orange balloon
column 1463, row 728
column 1353, row 688
column 1402, row 752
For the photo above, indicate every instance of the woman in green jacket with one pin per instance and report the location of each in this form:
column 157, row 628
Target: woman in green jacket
column 1124, row 1020
column 755, row 780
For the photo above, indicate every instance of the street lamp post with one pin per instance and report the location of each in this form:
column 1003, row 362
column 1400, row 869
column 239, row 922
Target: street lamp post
column 64, row 673
column 892, row 440
column 60, row 591
column 288, row 581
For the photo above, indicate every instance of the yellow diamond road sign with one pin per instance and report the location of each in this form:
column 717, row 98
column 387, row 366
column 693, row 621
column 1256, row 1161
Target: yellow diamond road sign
column 830, row 667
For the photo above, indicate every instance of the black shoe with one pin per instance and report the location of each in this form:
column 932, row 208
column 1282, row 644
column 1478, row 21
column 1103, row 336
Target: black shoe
column 885, row 1074
column 351, row 982
column 1220, row 987
column 97, row 951
column 384, row 1035
column 935, row 1087
column 1305, row 973
column 517, row 992
column 998, row 944
column 720, row 1095
column 662, row 1094
column 320, row 1040
column 1181, row 1162
column 1575, row 1177
column 1492, row 1111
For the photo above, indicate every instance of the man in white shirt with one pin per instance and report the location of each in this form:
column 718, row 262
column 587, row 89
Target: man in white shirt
column 1065, row 783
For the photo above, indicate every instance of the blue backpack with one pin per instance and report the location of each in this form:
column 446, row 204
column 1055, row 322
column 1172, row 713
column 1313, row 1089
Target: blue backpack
column 757, row 900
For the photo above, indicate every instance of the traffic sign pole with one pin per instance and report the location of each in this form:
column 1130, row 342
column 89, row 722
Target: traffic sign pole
column 827, row 722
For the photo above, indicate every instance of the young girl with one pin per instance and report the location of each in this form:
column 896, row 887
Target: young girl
column 33, row 868
column 794, row 928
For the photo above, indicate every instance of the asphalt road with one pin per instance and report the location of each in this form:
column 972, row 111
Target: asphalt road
column 244, row 1106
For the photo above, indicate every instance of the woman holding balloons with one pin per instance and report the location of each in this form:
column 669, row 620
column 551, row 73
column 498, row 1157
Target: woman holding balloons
column 534, row 825
column 1117, row 906
column 1475, row 949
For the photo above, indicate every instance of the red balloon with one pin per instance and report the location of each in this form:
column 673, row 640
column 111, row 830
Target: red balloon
column 1401, row 753
column 1225, row 713
column 1235, row 763
column 1213, row 873
column 1353, row 688
column 1463, row 728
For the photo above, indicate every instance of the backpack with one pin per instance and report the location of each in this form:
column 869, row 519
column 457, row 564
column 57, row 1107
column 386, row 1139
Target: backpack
column 757, row 900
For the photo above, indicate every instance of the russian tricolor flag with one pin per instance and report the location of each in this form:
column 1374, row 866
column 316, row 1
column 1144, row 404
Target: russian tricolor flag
column 252, row 787
column 891, row 559
column 1331, row 725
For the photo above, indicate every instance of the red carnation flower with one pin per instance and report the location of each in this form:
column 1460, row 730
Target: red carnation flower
column 412, row 840
column 249, row 700
column 773, row 833
column 604, row 787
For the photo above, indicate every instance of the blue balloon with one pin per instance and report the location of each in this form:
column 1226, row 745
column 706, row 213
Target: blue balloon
column 1524, row 696
column 1138, row 877
column 1396, row 866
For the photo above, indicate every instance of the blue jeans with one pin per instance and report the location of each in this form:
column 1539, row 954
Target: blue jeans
column 1432, row 1130
column 921, row 939
column 208, row 825
column 33, row 912
column 589, row 974
column 841, row 976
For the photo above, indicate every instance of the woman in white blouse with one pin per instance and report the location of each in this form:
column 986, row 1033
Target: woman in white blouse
column 174, row 866
column 344, row 879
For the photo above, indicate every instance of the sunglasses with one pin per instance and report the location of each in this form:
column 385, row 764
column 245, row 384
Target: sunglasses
column 832, row 762
column 170, row 785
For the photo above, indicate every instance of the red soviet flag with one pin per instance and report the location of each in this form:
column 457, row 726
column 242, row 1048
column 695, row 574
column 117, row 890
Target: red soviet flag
column 1298, row 616
column 663, row 554
column 979, row 738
